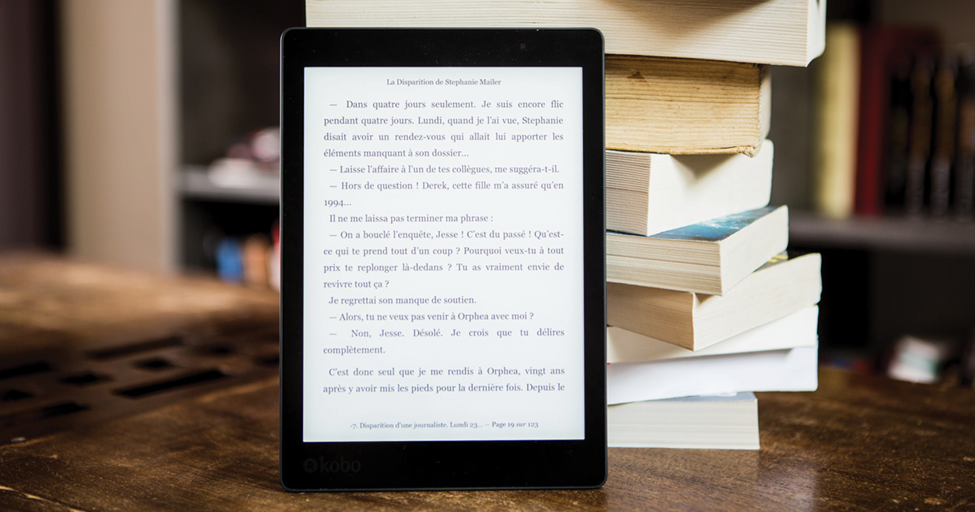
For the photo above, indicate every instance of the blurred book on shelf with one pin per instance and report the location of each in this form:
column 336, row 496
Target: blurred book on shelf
column 919, row 139
column 837, row 90
column 920, row 359
column 964, row 182
column 254, row 253
column 884, row 51
column 230, row 261
column 946, row 116
column 252, row 260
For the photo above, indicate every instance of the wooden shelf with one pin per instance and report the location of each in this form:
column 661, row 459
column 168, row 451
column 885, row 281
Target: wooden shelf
column 196, row 183
column 891, row 233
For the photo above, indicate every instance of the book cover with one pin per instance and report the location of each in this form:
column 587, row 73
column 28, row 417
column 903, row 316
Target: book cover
column 708, row 257
column 717, row 229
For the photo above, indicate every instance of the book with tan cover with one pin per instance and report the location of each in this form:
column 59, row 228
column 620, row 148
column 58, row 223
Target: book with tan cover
column 683, row 106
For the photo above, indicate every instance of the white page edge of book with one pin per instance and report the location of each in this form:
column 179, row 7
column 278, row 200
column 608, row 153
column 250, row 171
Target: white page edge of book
column 696, row 422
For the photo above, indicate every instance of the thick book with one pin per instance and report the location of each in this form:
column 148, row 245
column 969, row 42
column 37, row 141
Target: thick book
column 647, row 193
column 708, row 257
column 796, row 330
column 787, row 32
column 695, row 320
column 791, row 369
column 719, row 422
column 683, row 106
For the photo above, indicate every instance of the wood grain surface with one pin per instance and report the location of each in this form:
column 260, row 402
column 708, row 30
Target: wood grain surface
column 859, row 443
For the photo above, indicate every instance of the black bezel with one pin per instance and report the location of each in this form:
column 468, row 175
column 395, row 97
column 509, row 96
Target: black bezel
column 441, row 464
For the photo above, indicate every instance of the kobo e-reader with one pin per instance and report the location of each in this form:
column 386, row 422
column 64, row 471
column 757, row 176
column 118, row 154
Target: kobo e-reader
column 442, row 223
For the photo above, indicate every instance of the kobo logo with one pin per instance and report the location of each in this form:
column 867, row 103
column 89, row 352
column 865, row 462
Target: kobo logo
column 331, row 466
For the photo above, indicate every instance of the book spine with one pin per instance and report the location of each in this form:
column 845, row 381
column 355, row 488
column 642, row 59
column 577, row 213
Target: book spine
column 899, row 132
column 836, row 121
column 964, row 186
column 873, row 99
column 920, row 142
column 944, row 135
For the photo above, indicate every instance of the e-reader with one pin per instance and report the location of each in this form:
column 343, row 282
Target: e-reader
column 442, row 290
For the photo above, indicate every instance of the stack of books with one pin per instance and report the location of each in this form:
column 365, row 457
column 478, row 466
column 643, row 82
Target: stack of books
column 704, row 304
column 702, row 298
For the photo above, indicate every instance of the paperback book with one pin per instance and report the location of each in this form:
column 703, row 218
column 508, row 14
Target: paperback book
column 647, row 193
column 694, row 320
column 708, row 257
column 792, row 331
column 722, row 422
column 773, row 370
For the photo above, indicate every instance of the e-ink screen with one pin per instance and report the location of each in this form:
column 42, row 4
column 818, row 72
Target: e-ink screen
column 443, row 254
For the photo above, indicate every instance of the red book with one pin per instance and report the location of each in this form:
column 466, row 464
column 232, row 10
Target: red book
column 882, row 48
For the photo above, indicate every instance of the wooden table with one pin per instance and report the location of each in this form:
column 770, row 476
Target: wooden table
column 859, row 443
